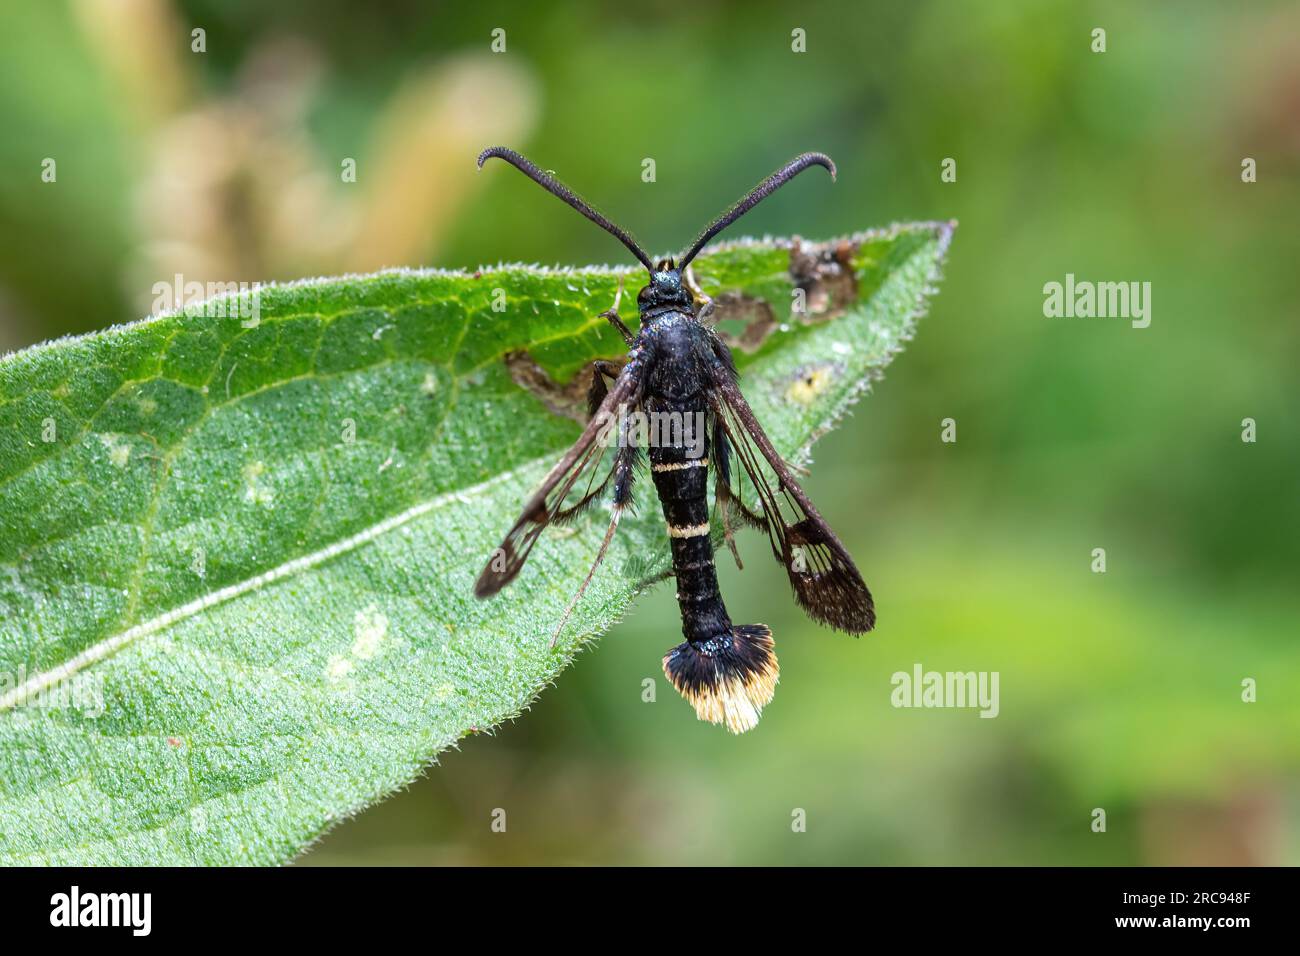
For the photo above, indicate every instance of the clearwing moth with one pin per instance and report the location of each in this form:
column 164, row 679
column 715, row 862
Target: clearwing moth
column 680, row 370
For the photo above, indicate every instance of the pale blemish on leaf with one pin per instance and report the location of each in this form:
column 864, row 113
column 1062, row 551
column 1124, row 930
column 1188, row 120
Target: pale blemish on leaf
column 338, row 668
column 119, row 452
column 255, row 491
column 369, row 628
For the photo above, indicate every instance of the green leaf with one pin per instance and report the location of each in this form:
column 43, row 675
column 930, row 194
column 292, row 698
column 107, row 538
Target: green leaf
column 236, row 556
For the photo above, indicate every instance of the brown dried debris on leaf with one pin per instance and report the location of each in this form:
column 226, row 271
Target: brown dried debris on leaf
column 822, row 272
column 569, row 399
column 756, row 313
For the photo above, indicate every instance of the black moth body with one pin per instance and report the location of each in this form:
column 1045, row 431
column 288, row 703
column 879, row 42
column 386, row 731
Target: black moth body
column 679, row 370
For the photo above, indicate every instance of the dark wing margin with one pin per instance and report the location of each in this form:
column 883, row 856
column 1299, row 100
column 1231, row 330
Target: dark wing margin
column 547, row 505
column 825, row 580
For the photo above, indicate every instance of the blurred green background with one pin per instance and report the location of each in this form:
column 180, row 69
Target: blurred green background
column 1120, row 691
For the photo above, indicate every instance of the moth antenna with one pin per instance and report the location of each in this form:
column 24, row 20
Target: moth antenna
column 558, row 189
column 757, row 195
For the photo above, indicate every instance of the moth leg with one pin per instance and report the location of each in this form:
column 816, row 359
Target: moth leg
column 601, row 370
column 615, row 321
column 612, row 315
column 722, row 492
column 706, row 309
column 623, row 472
column 728, row 533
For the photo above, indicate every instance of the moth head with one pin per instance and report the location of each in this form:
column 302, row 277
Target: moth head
column 665, row 287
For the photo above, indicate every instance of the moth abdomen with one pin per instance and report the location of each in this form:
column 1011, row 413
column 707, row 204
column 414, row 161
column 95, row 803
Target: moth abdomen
column 727, row 672
column 728, row 678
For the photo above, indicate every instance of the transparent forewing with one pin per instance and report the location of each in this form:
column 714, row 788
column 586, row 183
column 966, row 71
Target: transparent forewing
column 825, row 580
column 577, row 480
